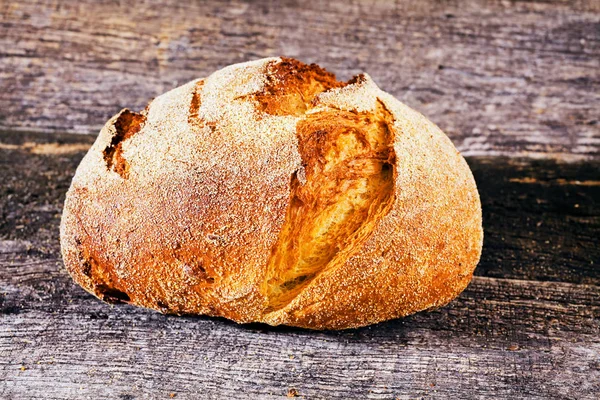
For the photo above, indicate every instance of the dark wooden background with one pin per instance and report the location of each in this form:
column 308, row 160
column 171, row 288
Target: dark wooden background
column 515, row 84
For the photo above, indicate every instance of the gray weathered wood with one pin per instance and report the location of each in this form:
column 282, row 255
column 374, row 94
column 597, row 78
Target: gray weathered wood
column 500, row 77
column 527, row 327
column 501, row 339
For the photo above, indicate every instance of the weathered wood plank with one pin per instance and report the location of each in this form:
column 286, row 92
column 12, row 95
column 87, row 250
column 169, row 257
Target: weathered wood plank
column 509, row 335
column 501, row 339
column 500, row 77
column 541, row 219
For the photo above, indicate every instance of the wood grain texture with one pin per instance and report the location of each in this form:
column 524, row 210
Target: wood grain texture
column 500, row 77
column 527, row 327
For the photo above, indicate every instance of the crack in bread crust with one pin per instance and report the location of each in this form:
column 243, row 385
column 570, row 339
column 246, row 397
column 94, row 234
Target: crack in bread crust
column 345, row 184
column 348, row 162
column 195, row 103
column 127, row 124
column 292, row 86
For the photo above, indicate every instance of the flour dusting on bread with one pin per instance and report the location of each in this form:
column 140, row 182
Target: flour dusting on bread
column 271, row 192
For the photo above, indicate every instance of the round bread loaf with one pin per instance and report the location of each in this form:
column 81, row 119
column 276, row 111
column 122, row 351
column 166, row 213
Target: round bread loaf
column 271, row 192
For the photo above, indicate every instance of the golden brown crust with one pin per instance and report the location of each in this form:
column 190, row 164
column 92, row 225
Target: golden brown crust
column 291, row 86
column 196, row 205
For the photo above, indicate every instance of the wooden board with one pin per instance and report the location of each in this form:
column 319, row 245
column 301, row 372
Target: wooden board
column 500, row 77
column 527, row 327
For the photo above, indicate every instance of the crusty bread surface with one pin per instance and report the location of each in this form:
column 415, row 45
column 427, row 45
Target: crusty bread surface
column 272, row 192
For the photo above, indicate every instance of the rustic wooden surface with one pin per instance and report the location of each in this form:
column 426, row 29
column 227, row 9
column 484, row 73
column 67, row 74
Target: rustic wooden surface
column 497, row 76
column 515, row 84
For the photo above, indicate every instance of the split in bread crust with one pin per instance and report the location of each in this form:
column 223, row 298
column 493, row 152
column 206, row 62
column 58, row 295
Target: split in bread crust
column 342, row 190
column 127, row 124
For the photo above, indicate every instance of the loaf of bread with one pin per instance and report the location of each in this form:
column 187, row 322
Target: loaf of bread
column 272, row 192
